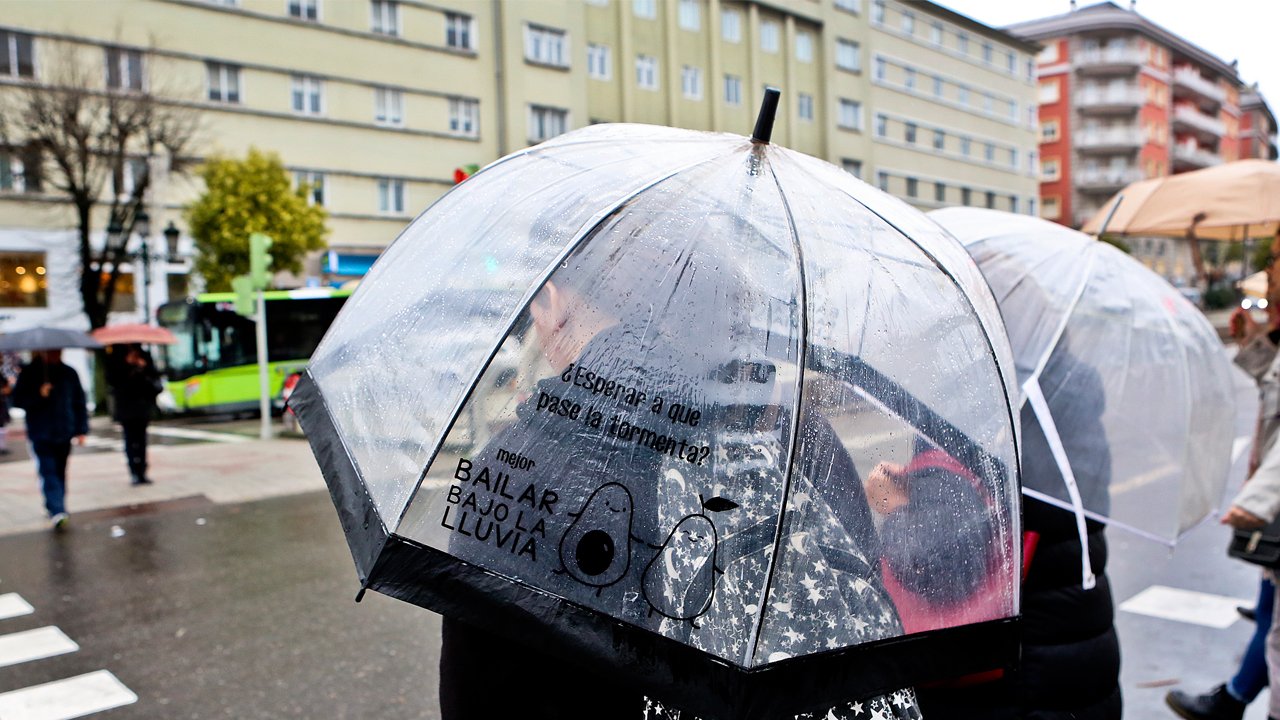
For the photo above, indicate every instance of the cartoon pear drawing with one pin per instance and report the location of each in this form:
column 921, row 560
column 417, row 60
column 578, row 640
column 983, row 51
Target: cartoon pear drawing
column 680, row 581
column 596, row 549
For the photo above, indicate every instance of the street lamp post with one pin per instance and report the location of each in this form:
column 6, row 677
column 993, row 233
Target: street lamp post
column 142, row 223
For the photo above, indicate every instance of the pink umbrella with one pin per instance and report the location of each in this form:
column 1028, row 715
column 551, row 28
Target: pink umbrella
column 133, row 333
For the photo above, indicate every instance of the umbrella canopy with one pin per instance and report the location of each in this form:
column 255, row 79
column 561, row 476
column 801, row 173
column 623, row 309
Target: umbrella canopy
column 712, row 416
column 1254, row 285
column 46, row 338
column 1134, row 379
column 1238, row 200
column 134, row 333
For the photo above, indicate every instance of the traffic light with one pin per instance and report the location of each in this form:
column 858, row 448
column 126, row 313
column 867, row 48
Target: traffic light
column 260, row 260
column 246, row 296
column 465, row 172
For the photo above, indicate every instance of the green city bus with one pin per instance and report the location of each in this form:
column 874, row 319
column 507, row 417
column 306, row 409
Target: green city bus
column 213, row 368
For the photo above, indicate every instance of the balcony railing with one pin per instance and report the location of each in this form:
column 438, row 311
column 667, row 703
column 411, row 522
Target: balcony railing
column 1195, row 82
column 1110, row 137
column 1109, row 176
column 1192, row 117
column 1095, row 97
column 1110, row 56
column 1194, row 155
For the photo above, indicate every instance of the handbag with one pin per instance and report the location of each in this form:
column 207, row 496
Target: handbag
column 1259, row 546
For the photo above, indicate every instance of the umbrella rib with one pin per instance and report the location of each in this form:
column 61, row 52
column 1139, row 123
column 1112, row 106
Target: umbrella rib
column 754, row 641
column 589, row 229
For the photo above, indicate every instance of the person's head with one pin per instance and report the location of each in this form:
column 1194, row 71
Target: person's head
column 50, row 357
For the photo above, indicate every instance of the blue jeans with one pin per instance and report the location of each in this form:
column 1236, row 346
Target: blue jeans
column 51, row 457
column 1252, row 676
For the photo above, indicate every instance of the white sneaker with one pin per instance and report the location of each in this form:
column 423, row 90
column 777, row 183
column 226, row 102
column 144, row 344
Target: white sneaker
column 60, row 521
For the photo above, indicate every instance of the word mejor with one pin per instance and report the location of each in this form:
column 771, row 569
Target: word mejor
column 486, row 516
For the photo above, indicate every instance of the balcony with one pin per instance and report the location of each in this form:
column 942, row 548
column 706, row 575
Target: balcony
column 1107, row 179
column 1192, row 119
column 1189, row 156
column 1120, row 59
column 1187, row 79
column 1109, row 139
column 1096, row 100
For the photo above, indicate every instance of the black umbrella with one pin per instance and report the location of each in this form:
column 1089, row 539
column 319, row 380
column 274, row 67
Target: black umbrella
column 46, row 338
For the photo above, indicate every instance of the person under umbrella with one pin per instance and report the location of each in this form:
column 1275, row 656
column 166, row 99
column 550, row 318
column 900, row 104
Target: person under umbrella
column 135, row 384
column 53, row 398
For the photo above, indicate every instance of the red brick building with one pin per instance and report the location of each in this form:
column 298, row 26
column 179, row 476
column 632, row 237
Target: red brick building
column 1257, row 126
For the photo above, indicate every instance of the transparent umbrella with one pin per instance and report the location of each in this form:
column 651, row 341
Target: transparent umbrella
column 1129, row 405
column 710, row 415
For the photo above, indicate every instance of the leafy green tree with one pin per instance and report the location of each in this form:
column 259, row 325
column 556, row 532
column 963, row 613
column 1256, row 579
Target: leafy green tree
column 243, row 197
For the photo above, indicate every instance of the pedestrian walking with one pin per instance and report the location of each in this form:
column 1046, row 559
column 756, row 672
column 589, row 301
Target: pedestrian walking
column 135, row 384
column 53, row 398
column 6, row 389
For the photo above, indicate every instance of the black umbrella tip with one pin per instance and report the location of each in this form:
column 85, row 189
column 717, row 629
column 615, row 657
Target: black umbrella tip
column 768, row 112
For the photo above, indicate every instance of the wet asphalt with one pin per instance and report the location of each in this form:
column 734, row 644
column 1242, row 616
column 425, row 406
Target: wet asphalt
column 234, row 611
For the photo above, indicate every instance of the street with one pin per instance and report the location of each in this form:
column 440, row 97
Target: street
column 226, row 590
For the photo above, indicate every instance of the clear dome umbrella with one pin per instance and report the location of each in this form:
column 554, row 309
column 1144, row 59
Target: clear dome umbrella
column 707, row 414
column 1129, row 408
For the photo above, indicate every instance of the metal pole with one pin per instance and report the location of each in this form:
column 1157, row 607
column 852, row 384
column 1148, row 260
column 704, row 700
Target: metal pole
column 1114, row 208
column 146, row 282
column 264, row 397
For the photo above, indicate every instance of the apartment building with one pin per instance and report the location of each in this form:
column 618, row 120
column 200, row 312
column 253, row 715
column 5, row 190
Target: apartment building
column 377, row 102
column 1123, row 99
column 954, row 119
column 1257, row 126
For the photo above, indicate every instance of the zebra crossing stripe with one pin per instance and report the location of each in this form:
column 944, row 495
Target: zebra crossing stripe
column 12, row 605
column 34, row 644
column 66, row 699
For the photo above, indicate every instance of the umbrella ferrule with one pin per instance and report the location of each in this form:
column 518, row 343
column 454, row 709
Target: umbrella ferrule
column 768, row 112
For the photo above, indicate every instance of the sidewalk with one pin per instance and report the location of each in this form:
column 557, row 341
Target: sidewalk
column 219, row 472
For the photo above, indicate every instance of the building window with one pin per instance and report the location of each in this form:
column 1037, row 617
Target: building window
column 987, row 52
column 991, row 200
column 882, row 181
column 645, row 8
column 384, row 17
column 909, row 78
column 464, row 117
column 647, row 72
column 913, row 187
column 224, row 82
column 1049, row 131
column 22, row 279
column 804, row 106
column 732, row 90
column 966, row 196
column 909, row 132
column 388, row 106
column 909, row 23
column 1033, row 164
column 731, row 25
column 124, row 69
column 853, row 167
column 1050, row 209
column 128, row 176
column 1049, row 54
column 877, row 12
column 390, row 196
column 691, row 82
column 853, row 6
column 882, row 68
column 458, row 31
column 935, row 33
column 850, row 115
column 963, row 95
column 308, row 95
column 939, row 140
column 20, row 169
column 1048, row 92
column 1032, row 114
column 882, row 125
column 965, row 146
column 599, row 62
column 1013, row 158
column 1013, row 203
column 1050, row 170
column 546, row 123
column 962, row 44
column 848, row 55
column 314, row 183
column 1031, row 206
column 691, row 15
column 937, row 86
column 769, row 36
column 545, row 46
column 1031, row 71
column 1011, row 63
column 804, row 47
column 16, row 56
column 989, row 152
column 304, row 9
column 1013, row 111
column 940, row 192
column 988, row 104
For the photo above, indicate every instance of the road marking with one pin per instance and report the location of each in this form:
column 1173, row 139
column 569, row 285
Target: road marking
column 94, row 441
column 34, row 644
column 1145, row 478
column 1239, row 446
column 192, row 434
column 12, row 605
column 1187, row 606
column 65, row 699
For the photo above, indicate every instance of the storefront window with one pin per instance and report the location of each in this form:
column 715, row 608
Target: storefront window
column 22, row 279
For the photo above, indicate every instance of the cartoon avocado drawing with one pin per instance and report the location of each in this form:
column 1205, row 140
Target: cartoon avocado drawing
column 681, row 579
column 596, row 548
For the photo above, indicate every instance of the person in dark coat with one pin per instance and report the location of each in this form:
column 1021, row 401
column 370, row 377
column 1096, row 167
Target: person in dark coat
column 6, row 390
column 53, row 398
column 1070, row 666
column 135, row 383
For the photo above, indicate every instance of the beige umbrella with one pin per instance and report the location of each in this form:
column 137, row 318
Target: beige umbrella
column 1254, row 285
